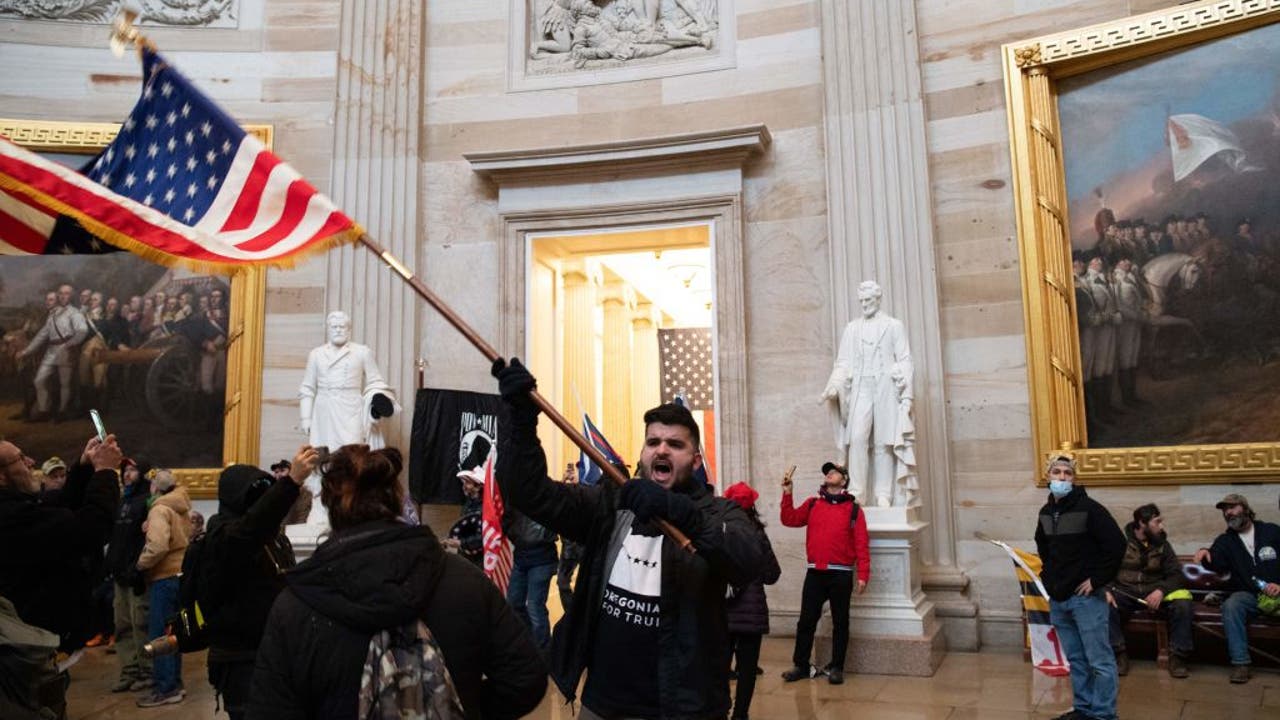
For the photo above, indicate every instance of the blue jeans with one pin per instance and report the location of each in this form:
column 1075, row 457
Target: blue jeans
column 1240, row 608
column 1082, row 623
column 527, row 593
column 166, row 670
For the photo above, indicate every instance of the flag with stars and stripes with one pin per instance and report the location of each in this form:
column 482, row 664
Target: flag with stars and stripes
column 182, row 183
column 684, row 366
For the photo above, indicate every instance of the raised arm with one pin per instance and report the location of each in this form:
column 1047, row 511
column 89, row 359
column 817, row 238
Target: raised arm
column 521, row 472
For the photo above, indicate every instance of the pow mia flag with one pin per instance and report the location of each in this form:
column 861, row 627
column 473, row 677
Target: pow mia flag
column 684, row 366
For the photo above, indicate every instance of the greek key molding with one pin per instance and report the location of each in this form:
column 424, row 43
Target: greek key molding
column 1141, row 29
column 1208, row 463
column 81, row 137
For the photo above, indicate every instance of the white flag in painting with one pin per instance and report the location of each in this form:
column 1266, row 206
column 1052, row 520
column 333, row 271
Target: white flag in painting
column 1193, row 139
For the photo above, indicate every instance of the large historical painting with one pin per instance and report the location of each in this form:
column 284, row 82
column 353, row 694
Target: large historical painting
column 1146, row 161
column 171, row 358
column 143, row 344
column 1173, row 183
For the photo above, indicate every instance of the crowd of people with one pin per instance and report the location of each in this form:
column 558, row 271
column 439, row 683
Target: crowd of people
column 1098, row 574
column 386, row 620
column 60, row 351
column 1208, row 292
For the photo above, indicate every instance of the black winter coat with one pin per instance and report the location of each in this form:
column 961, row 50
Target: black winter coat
column 380, row 575
column 239, row 579
column 1077, row 540
column 127, row 537
column 693, row 677
column 45, row 549
column 1230, row 555
column 748, row 607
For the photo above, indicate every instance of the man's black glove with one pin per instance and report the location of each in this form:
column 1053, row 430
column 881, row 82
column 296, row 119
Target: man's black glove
column 381, row 406
column 648, row 500
column 514, row 384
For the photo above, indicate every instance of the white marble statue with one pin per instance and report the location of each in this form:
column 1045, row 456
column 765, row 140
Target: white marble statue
column 343, row 398
column 870, row 393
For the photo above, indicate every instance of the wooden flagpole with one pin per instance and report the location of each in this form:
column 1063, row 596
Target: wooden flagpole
column 491, row 355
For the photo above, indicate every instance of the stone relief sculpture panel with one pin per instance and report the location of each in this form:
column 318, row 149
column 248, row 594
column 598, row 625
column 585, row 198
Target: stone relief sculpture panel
column 574, row 35
column 205, row 13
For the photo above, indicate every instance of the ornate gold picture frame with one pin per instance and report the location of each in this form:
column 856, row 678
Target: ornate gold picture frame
column 241, row 415
column 1036, row 71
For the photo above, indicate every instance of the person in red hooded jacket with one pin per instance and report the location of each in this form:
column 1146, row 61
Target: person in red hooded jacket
column 836, row 545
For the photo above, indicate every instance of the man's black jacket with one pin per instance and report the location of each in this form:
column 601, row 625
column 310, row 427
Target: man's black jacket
column 1229, row 555
column 1077, row 540
column 693, row 627
column 45, row 548
column 246, row 554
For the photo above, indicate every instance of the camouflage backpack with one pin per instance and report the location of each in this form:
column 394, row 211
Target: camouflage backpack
column 405, row 677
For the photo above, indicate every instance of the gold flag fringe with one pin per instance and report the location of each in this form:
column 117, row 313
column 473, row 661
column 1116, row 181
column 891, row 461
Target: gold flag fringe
column 138, row 247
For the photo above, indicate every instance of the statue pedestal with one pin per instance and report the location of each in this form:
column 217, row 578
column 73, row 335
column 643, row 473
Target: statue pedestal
column 305, row 538
column 892, row 626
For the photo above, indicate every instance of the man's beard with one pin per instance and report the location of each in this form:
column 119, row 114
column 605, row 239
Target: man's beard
column 1237, row 522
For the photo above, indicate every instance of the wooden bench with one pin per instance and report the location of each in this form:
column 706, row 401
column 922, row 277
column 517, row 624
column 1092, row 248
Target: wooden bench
column 1264, row 631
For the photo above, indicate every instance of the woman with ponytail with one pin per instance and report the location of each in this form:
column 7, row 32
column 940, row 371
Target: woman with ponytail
column 374, row 576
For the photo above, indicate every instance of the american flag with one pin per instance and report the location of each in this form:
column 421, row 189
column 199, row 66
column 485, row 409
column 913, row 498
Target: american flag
column 178, row 153
column 497, row 548
column 684, row 366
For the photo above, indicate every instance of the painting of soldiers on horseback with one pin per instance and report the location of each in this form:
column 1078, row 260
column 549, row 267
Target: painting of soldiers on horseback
column 1172, row 167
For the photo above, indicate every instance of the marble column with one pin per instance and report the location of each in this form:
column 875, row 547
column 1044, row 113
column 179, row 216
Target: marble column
column 616, row 364
column 646, row 390
column 881, row 228
column 579, row 370
column 376, row 181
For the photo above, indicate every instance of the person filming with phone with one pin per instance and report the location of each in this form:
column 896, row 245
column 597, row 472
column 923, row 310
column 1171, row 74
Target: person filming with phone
column 42, row 572
column 245, row 556
column 837, row 546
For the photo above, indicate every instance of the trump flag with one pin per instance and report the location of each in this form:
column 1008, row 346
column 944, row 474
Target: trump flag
column 182, row 183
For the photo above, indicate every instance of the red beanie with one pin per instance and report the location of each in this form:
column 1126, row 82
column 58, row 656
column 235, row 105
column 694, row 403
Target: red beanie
column 743, row 494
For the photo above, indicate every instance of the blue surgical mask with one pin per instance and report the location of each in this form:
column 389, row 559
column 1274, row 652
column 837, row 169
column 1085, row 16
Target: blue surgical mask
column 1060, row 488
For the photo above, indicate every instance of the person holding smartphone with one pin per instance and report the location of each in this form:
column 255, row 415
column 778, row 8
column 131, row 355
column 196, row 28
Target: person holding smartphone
column 837, row 547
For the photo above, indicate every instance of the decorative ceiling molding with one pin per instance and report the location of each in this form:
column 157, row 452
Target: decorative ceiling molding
column 174, row 13
column 730, row 146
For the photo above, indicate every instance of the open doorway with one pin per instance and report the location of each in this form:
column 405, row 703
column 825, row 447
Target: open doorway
column 620, row 320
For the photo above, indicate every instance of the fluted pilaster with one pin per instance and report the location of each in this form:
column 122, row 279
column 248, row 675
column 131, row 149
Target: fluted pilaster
column 375, row 180
column 879, row 213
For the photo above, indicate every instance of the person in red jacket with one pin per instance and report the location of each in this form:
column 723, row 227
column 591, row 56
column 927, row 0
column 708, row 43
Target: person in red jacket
column 836, row 543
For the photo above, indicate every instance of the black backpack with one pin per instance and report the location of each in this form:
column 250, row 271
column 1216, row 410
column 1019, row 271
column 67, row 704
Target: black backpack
column 188, row 626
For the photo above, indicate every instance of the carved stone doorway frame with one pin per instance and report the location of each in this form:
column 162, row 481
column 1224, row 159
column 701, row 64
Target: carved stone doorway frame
column 724, row 214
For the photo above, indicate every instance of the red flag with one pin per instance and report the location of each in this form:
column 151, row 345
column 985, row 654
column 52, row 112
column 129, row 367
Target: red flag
column 182, row 183
column 497, row 548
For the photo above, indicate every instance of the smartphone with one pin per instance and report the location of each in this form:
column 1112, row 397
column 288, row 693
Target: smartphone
column 97, row 425
column 322, row 455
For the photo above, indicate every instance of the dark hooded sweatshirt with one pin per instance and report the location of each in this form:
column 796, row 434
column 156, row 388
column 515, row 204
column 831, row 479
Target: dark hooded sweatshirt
column 245, row 556
column 380, row 575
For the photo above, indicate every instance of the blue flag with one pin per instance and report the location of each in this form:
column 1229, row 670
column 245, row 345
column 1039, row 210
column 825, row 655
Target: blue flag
column 588, row 472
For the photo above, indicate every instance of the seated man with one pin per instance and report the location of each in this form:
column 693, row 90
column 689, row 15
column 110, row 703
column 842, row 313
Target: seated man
column 1150, row 576
column 1247, row 550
